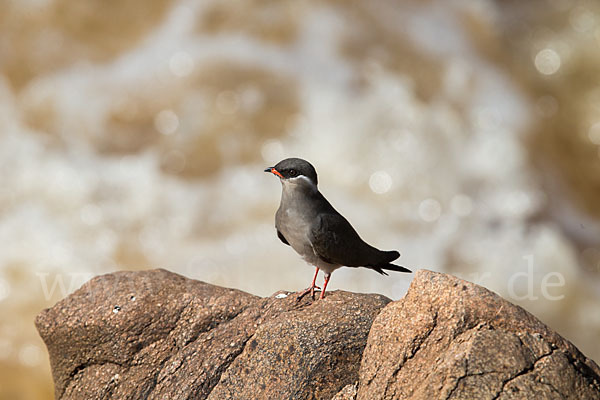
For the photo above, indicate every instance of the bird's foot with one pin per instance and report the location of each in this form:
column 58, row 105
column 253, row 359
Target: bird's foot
column 306, row 291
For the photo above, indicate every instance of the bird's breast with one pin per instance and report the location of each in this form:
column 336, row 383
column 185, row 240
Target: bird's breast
column 294, row 227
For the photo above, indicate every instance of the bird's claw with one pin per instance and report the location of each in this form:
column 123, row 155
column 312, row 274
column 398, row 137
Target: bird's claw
column 306, row 291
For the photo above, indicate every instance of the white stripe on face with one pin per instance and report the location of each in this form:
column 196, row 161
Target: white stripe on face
column 299, row 180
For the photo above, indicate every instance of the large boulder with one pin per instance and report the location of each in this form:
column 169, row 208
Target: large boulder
column 451, row 339
column 156, row 334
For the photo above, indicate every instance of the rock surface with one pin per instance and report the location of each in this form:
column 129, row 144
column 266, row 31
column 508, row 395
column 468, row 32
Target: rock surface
column 155, row 334
column 451, row 339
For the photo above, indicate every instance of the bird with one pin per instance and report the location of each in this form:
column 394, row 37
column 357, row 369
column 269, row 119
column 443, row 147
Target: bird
column 308, row 223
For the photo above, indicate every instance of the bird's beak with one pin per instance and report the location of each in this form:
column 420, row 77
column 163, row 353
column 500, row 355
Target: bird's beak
column 273, row 171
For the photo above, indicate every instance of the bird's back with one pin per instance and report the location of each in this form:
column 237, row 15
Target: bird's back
column 336, row 241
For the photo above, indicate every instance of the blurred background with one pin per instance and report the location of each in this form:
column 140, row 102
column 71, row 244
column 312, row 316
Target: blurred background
column 133, row 135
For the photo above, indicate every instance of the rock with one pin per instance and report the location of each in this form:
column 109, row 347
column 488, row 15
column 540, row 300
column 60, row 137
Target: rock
column 347, row 393
column 451, row 339
column 156, row 334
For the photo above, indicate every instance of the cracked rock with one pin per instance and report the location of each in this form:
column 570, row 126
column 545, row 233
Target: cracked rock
column 452, row 339
column 178, row 338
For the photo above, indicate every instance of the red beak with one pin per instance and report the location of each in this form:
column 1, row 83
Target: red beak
column 273, row 171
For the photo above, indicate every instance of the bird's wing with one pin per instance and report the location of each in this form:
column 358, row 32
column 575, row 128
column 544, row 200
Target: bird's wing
column 282, row 238
column 335, row 241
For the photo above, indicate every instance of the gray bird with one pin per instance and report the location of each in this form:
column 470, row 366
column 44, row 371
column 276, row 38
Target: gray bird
column 308, row 223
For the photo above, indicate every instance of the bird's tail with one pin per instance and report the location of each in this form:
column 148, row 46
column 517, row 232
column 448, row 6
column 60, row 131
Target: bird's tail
column 390, row 267
column 384, row 262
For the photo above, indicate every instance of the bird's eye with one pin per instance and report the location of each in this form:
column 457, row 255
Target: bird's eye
column 292, row 172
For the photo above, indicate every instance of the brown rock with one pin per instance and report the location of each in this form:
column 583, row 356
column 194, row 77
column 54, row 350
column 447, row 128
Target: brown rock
column 156, row 334
column 347, row 393
column 451, row 339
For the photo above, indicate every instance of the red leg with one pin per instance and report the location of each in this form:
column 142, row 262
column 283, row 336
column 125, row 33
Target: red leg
column 327, row 276
column 311, row 288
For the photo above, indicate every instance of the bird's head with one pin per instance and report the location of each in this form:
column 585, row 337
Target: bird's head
column 295, row 171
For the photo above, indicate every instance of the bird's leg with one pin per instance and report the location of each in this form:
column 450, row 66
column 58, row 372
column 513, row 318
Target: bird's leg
column 327, row 276
column 311, row 288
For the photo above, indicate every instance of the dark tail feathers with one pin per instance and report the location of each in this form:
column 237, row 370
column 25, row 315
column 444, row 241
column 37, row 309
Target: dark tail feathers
column 389, row 267
column 384, row 263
